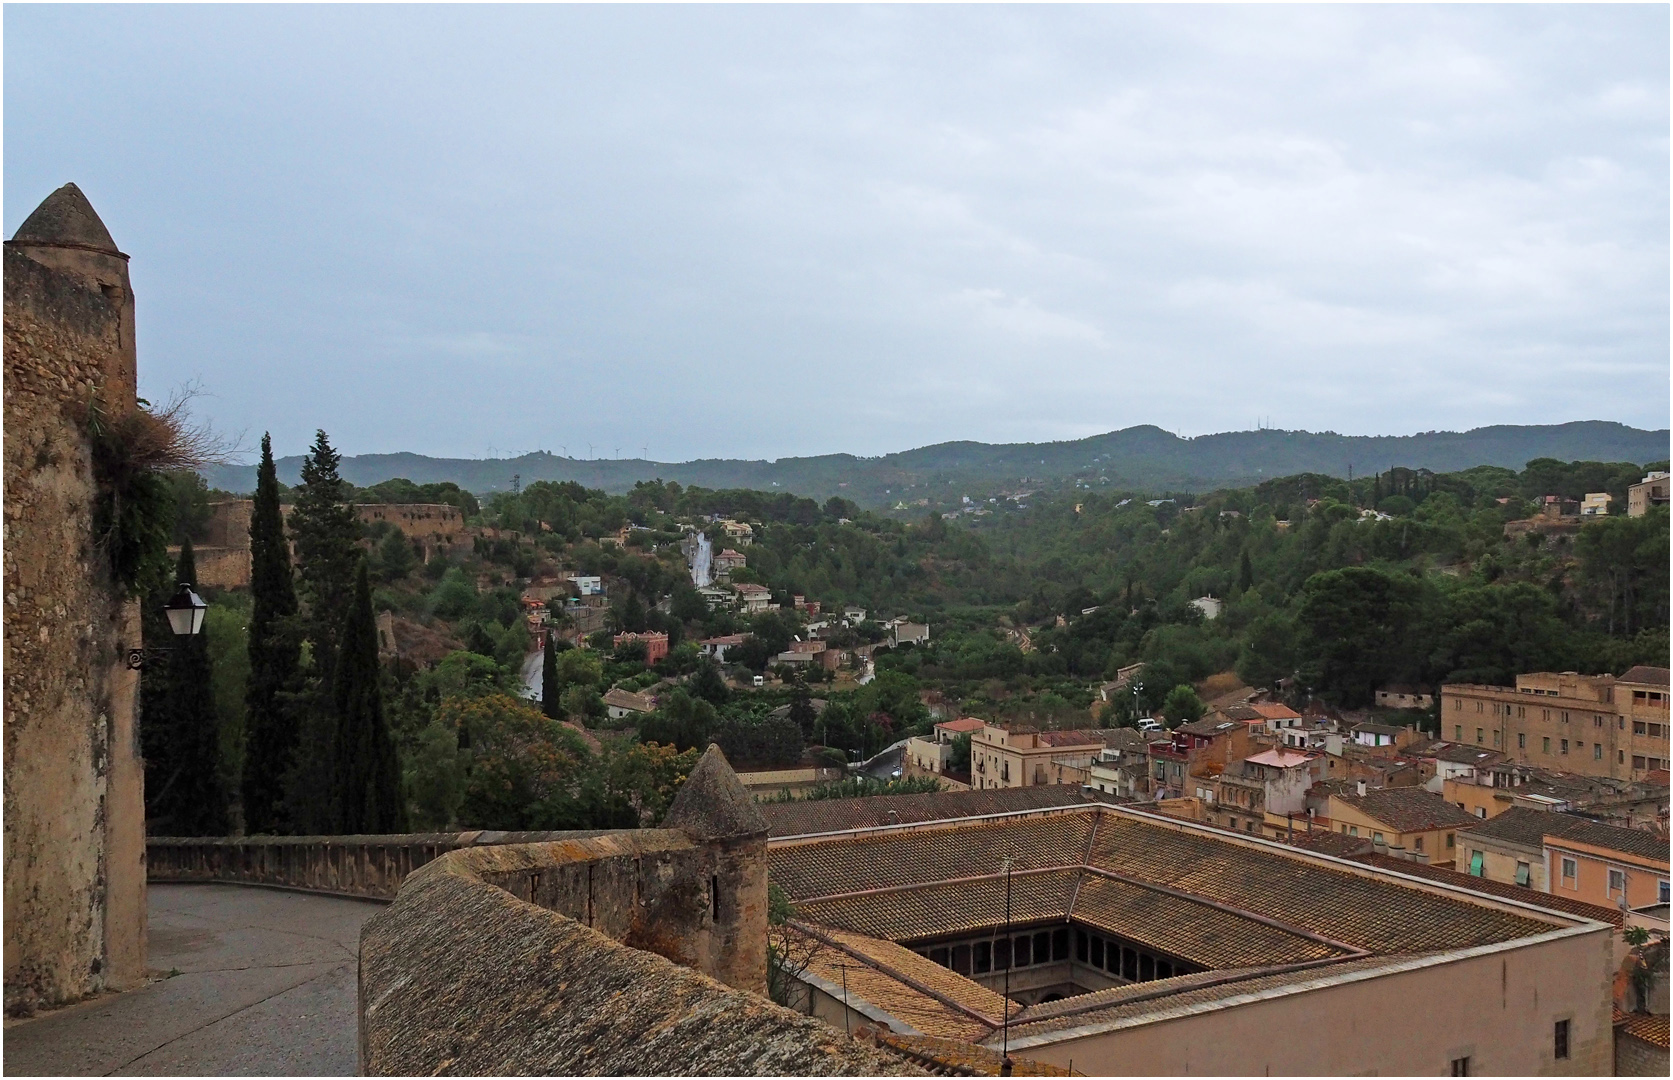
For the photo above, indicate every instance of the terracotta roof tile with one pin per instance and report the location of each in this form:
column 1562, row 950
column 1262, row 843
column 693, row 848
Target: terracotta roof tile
column 1409, row 809
column 1215, row 939
column 1650, row 676
column 948, row 908
column 1612, row 916
column 1650, row 1028
column 835, row 815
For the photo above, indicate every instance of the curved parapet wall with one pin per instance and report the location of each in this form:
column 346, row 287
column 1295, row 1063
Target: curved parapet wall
column 372, row 867
column 577, row 957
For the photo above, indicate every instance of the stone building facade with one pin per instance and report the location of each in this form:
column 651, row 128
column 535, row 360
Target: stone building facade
column 74, row 781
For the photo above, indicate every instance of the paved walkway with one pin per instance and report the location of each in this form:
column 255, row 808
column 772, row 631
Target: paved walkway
column 266, row 986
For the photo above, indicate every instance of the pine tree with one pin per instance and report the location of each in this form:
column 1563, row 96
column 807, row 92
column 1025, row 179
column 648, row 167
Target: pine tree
column 368, row 776
column 549, row 692
column 275, row 657
column 180, row 729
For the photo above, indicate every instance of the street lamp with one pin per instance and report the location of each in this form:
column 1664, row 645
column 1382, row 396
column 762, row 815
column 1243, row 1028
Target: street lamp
column 185, row 611
column 185, row 618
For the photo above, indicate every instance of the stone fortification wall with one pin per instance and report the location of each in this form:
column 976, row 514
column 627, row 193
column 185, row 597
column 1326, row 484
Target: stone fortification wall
column 74, row 794
column 553, row 959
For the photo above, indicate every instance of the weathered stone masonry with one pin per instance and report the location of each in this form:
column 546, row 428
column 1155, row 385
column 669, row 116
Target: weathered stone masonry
column 74, row 799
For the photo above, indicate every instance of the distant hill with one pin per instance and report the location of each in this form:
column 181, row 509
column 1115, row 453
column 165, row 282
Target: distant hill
column 1144, row 457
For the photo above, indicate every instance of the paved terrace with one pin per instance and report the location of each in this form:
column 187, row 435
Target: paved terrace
column 266, row 986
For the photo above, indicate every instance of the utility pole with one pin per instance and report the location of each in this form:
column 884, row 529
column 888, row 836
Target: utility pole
column 1010, row 958
column 516, row 483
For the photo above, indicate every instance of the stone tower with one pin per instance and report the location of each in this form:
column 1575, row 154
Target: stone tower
column 74, row 796
column 715, row 809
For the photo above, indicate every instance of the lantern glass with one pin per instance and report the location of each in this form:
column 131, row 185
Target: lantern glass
column 185, row 611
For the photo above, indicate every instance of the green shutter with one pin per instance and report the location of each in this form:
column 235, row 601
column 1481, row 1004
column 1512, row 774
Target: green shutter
column 1475, row 863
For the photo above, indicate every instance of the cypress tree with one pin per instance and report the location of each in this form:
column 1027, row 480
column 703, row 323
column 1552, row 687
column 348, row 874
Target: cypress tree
column 549, row 691
column 275, row 657
column 1245, row 572
column 327, row 552
column 368, row 776
column 181, row 731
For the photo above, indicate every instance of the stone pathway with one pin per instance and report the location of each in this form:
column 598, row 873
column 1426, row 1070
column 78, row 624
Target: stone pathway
column 266, row 986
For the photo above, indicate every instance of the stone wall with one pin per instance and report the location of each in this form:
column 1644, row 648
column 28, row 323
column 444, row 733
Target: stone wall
column 371, row 867
column 579, row 956
column 74, row 782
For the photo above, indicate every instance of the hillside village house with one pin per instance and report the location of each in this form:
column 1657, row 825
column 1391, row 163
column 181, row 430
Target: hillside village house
column 1568, row 855
column 728, row 561
column 1599, row 725
column 1404, row 696
column 715, row 647
column 621, row 704
column 1022, row 756
column 656, row 644
column 1595, row 504
column 1418, row 823
column 1264, row 787
column 932, row 754
column 1647, row 493
column 753, row 598
column 908, row 633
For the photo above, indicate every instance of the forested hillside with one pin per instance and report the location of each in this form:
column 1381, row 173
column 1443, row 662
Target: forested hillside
column 1143, row 457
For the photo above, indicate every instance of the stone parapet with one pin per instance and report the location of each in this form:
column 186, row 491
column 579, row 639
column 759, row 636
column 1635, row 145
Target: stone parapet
column 576, row 956
column 370, row 867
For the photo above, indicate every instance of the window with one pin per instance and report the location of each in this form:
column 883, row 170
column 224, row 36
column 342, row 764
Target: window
column 1620, row 757
column 1450, row 840
column 1023, row 950
column 984, row 957
column 1481, row 811
column 1565, row 717
column 1060, row 944
column 1545, row 745
column 1523, row 875
column 1565, row 746
column 1081, row 946
column 1457, row 704
column 1521, row 740
column 1353, row 830
column 1417, row 844
column 1617, row 882
column 1461, row 1066
column 1377, row 838
column 1638, row 728
column 1661, row 892
column 1560, row 1041
column 1478, row 706
column 1478, row 737
column 1097, row 952
column 1495, row 738
column 1458, row 733
column 1570, row 870
column 1597, row 751
column 1597, row 721
column 1637, row 761
column 1476, row 859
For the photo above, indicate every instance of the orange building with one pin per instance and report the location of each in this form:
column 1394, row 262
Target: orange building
column 1604, row 865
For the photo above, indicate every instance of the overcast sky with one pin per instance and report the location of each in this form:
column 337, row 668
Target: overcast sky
column 757, row 232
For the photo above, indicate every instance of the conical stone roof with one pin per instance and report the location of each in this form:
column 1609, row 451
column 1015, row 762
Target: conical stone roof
column 66, row 217
column 714, row 804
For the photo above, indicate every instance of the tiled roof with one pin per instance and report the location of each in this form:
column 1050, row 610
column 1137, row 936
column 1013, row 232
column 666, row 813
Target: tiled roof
column 1650, row 676
column 1523, row 825
column 1458, row 753
column 1281, row 759
column 940, row 881
column 1650, row 1028
column 950, row 1057
column 948, row 908
column 836, row 815
column 1153, row 997
column 1274, row 710
column 1208, row 727
column 962, row 724
column 626, row 699
column 1070, row 738
column 909, row 987
column 1640, row 842
column 1217, row 939
column 1609, row 915
column 1409, row 809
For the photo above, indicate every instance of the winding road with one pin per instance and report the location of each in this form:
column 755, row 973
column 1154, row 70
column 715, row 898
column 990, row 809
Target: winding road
column 251, row 981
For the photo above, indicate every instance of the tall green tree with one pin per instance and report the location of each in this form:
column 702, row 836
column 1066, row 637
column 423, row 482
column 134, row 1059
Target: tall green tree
column 327, row 550
column 367, row 775
column 275, row 657
column 180, row 727
column 326, row 532
column 551, row 688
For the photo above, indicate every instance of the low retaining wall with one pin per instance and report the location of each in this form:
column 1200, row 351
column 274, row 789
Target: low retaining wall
column 372, row 867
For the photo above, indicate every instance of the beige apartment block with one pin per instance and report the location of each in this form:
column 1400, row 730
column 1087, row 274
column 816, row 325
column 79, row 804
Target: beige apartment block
column 1596, row 725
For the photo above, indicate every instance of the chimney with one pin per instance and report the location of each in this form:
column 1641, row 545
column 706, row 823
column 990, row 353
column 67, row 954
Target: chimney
column 1362, row 788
